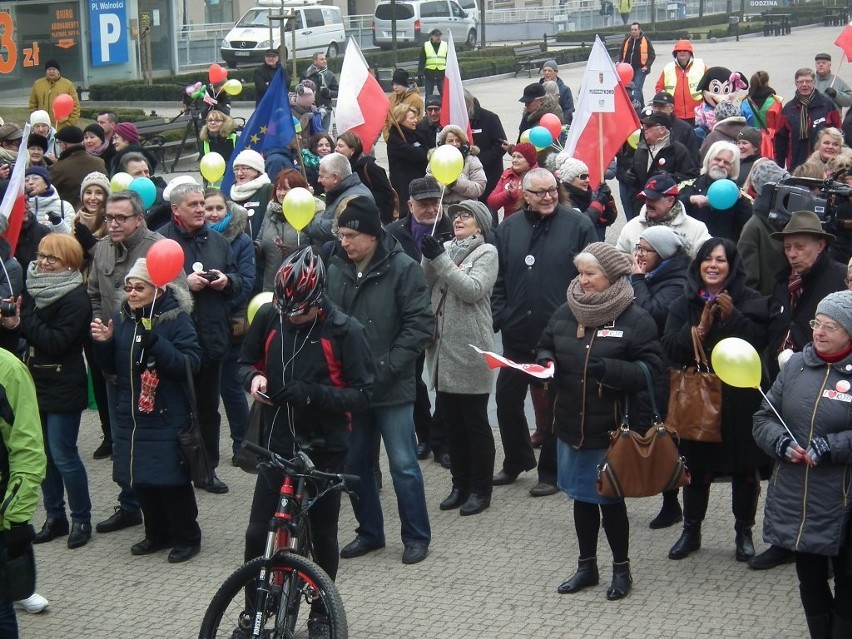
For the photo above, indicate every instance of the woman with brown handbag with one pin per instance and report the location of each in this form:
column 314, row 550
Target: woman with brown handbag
column 717, row 304
column 596, row 341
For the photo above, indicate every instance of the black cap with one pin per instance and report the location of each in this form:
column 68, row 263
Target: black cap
column 657, row 119
column 663, row 98
column 70, row 135
column 532, row 92
column 425, row 188
column 433, row 101
column 822, row 56
column 271, row 52
column 435, row 32
column 52, row 64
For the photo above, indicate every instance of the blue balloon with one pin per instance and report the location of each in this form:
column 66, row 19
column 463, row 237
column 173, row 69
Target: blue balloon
column 540, row 137
column 723, row 194
column 146, row 190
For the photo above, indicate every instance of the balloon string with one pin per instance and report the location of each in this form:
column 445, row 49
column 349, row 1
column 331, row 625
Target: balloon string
column 781, row 419
column 440, row 210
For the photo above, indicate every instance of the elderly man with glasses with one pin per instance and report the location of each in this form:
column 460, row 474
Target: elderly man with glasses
column 536, row 248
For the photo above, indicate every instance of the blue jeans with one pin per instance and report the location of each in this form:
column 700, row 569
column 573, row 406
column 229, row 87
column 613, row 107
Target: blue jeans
column 234, row 398
column 638, row 82
column 126, row 496
column 396, row 426
column 65, row 470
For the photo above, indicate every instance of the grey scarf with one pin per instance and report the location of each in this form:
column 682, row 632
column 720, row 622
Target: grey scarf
column 464, row 247
column 599, row 309
column 47, row 288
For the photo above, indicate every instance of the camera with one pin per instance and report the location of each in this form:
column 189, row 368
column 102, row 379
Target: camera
column 210, row 277
column 830, row 200
column 8, row 309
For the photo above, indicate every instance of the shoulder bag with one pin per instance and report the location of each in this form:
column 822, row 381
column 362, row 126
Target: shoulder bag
column 695, row 399
column 189, row 438
column 642, row 465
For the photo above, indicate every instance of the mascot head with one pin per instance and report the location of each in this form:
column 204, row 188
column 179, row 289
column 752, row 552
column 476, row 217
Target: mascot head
column 719, row 84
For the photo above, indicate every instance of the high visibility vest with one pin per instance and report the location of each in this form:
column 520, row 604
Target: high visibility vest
column 435, row 61
column 643, row 50
column 694, row 74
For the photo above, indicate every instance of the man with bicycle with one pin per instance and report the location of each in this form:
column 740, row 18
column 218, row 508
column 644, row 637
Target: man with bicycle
column 309, row 366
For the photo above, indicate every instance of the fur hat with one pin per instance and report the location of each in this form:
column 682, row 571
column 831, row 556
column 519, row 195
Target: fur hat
column 751, row 135
column 532, row 92
column 727, row 109
column 614, row 263
column 663, row 240
column 251, row 159
column 568, row 168
column 360, row 214
column 37, row 140
column 41, row 172
column 95, row 179
column 52, row 64
column 401, row 77
column 481, row 213
column 40, row 117
column 455, row 130
column 139, row 271
column 127, row 130
column 528, row 151
column 70, row 135
column 838, row 306
column 97, row 129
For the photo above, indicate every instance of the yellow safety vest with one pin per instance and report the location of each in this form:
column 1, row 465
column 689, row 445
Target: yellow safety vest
column 435, row 61
column 694, row 73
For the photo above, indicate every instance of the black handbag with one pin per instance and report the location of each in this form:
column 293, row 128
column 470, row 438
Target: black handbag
column 189, row 438
column 18, row 575
column 244, row 459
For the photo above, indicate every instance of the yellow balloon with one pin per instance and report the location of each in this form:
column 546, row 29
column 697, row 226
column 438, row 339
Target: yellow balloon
column 446, row 164
column 299, row 207
column 233, row 87
column 120, row 182
column 212, row 167
column 256, row 302
column 633, row 138
column 737, row 363
column 525, row 136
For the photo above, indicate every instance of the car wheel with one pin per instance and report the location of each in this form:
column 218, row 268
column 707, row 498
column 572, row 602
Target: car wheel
column 332, row 50
column 471, row 39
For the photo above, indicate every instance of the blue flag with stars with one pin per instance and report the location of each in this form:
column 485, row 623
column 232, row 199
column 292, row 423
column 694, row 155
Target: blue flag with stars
column 269, row 127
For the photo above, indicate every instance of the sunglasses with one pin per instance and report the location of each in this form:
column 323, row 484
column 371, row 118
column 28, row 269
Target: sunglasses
column 139, row 288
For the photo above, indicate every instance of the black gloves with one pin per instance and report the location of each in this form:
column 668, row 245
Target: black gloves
column 54, row 217
column 84, row 237
column 596, row 368
column 603, row 193
column 18, row 539
column 819, row 450
column 295, row 392
column 831, row 92
column 431, row 247
column 325, row 92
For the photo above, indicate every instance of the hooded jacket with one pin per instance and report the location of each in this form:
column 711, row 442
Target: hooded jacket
column 236, row 233
column 763, row 257
column 49, row 202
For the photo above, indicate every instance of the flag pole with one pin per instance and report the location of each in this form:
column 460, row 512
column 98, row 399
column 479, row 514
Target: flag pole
column 836, row 73
column 600, row 145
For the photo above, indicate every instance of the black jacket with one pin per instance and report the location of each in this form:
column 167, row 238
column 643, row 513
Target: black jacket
column 488, row 135
column 262, row 76
column 525, row 296
column 376, row 179
column 674, row 159
column 655, row 291
column 31, row 234
column 331, row 355
column 55, row 336
column 587, row 409
column 728, row 223
column 407, row 159
column 684, row 133
column 211, row 312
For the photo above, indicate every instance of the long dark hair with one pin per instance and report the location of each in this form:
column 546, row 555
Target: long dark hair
column 735, row 282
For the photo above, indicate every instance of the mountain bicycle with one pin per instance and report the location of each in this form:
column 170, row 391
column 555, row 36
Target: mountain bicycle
column 263, row 598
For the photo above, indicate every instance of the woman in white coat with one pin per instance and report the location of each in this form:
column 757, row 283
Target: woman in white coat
column 470, row 185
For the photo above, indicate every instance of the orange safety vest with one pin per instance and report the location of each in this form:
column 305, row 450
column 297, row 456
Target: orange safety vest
column 686, row 98
column 643, row 50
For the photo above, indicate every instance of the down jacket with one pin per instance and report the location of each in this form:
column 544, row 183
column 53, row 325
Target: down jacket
column 465, row 318
column 807, row 509
column 587, row 409
column 145, row 446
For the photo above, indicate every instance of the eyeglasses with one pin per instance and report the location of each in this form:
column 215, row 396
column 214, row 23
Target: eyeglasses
column 551, row 192
column 464, row 216
column 828, row 328
column 641, row 249
column 348, row 236
column 583, row 176
column 121, row 219
column 44, row 257
column 139, row 288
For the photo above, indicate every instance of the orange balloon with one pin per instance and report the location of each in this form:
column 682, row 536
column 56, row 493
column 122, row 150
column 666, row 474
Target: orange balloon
column 217, row 74
column 625, row 72
column 62, row 106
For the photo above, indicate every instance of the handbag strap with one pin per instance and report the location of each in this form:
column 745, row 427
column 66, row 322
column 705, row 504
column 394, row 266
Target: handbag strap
column 698, row 351
column 649, row 384
column 190, row 385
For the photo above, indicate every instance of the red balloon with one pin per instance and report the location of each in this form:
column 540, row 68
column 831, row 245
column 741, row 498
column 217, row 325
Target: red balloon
column 552, row 123
column 217, row 74
column 165, row 261
column 62, row 106
column 625, row 72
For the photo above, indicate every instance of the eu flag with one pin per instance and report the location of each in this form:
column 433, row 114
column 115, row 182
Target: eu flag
column 269, row 127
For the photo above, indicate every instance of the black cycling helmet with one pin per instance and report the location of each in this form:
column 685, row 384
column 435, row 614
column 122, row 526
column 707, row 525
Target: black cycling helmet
column 299, row 283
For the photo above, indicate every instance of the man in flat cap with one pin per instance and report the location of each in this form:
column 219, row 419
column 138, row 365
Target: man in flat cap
column 829, row 84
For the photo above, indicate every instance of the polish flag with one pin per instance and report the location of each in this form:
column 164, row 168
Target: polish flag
column 14, row 201
column 498, row 361
column 362, row 106
column 453, row 108
column 604, row 117
column 844, row 41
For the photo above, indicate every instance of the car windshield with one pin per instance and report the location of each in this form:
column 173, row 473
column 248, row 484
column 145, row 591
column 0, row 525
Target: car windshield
column 256, row 18
column 403, row 11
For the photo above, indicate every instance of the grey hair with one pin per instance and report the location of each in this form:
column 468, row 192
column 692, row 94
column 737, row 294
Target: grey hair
column 178, row 193
column 337, row 164
column 718, row 147
column 539, row 172
column 584, row 257
column 128, row 196
column 133, row 156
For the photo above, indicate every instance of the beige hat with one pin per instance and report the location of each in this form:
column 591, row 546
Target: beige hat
column 139, row 271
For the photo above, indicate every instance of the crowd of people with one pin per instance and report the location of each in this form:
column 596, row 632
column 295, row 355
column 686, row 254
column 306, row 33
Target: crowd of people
column 376, row 299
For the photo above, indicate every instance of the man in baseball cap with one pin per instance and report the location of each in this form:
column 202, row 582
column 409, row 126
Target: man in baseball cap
column 681, row 131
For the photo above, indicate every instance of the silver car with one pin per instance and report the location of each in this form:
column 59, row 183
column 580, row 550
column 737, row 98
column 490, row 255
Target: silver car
column 417, row 18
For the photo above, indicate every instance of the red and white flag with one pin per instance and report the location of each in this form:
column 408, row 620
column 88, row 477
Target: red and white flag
column 604, row 117
column 362, row 106
column 453, row 107
column 844, row 41
column 498, row 361
column 14, row 201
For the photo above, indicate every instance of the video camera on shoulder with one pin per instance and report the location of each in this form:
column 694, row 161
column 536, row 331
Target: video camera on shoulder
column 829, row 199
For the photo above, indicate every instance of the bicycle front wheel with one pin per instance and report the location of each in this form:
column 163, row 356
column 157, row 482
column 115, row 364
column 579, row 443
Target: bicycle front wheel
column 300, row 599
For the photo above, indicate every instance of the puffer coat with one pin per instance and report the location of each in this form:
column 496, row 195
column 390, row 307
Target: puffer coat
column 807, row 509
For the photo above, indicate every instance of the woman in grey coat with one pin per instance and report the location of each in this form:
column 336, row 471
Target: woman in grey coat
column 807, row 504
column 460, row 275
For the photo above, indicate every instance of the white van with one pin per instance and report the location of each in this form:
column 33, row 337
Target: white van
column 319, row 29
column 416, row 18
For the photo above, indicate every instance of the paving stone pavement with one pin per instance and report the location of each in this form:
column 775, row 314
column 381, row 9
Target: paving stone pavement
column 492, row 576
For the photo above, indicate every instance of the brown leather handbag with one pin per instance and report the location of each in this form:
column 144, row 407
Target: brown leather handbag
column 642, row 465
column 695, row 399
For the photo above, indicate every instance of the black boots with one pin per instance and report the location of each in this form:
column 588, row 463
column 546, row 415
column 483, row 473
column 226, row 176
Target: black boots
column 670, row 514
column 586, row 575
column 744, row 542
column 819, row 626
column 622, row 581
column 690, row 540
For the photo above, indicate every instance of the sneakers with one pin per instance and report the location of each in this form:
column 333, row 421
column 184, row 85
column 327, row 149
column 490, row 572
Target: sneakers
column 33, row 604
column 318, row 628
column 119, row 520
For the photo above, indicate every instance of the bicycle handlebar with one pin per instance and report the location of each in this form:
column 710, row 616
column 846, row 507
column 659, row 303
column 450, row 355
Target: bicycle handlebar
column 306, row 466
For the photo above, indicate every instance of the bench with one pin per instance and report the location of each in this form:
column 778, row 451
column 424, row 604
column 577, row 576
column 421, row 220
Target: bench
column 835, row 17
column 776, row 24
column 610, row 40
column 152, row 136
column 527, row 58
column 384, row 75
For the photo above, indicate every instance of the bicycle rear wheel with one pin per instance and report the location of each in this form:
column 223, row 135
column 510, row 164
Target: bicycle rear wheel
column 300, row 593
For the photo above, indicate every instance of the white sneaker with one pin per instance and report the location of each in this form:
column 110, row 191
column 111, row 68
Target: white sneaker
column 33, row 604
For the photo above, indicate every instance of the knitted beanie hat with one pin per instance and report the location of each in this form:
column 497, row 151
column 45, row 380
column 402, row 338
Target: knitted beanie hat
column 663, row 240
column 727, row 109
column 39, row 117
column 763, row 173
column 751, row 135
column 568, row 168
column 95, row 179
column 613, row 262
column 360, row 214
column 550, row 64
column 127, row 130
column 528, row 151
column 139, row 271
column 838, row 306
column 251, row 159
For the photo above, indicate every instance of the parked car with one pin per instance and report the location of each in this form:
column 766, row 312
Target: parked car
column 417, row 18
column 319, row 29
